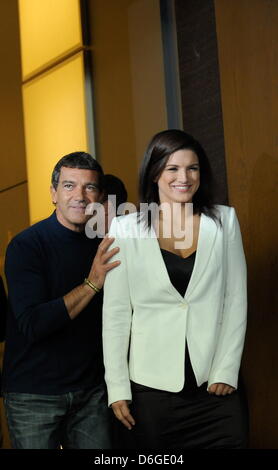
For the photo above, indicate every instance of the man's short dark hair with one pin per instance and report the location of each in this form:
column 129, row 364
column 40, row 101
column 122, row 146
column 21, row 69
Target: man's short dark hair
column 81, row 160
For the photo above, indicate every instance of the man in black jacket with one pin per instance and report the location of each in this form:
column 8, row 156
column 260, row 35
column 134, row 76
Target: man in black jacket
column 54, row 393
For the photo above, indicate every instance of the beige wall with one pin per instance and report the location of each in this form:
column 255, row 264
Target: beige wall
column 248, row 57
column 128, row 80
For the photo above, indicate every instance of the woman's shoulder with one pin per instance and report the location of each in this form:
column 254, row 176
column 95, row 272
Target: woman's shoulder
column 224, row 211
column 227, row 215
column 124, row 225
column 127, row 220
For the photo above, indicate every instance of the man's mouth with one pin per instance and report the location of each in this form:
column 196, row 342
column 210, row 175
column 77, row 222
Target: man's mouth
column 78, row 207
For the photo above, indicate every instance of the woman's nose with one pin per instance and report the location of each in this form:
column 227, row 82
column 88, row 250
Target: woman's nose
column 183, row 176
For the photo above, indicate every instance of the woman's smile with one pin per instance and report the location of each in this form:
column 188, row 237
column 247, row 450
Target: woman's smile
column 180, row 178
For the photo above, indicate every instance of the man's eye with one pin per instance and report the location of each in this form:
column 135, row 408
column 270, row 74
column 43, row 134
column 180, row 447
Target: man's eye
column 91, row 187
column 68, row 186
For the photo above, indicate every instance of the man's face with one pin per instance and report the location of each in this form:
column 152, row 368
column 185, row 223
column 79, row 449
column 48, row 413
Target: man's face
column 76, row 189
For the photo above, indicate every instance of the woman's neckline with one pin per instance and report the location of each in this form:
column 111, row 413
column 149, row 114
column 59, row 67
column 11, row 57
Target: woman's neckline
column 175, row 254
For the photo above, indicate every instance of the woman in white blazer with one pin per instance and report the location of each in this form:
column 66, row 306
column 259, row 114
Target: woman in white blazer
column 174, row 314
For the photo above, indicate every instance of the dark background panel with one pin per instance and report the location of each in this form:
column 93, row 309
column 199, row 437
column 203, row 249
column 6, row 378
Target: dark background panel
column 200, row 83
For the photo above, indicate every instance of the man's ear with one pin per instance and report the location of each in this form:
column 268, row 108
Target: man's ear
column 53, row 193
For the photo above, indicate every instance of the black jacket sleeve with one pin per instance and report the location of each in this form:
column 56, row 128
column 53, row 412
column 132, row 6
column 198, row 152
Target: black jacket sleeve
column 37, row 315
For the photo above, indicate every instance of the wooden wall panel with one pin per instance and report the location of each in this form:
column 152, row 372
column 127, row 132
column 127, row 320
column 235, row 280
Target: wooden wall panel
column 248, row 56
column 199, row 80
column 13, row 186
column 14, row 213
column 12, row 161
column 128, row 75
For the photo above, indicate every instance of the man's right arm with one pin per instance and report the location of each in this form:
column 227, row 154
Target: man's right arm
column 37, row 316
column 78, row 298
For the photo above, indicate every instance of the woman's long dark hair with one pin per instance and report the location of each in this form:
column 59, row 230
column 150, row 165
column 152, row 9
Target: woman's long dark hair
column 161, row 146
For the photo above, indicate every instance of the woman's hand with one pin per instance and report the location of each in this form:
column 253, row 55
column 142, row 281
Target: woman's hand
column 220, row 389
column 122, row 413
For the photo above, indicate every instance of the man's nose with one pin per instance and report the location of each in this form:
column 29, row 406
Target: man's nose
column 79, row 193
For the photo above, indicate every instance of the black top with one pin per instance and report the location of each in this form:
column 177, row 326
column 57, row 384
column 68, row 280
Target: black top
column 180, row 271
column 47, row 352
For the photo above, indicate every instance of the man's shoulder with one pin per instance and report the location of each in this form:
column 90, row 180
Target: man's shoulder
column 30, row 234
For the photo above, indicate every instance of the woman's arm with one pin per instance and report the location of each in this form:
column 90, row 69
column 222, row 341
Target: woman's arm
column 231, row 336
column 117, row 317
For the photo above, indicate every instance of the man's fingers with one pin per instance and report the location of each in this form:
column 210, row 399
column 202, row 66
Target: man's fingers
column 101, row 266
column 103, row 253
column 106, row 256
column 110, row 266
column 105, row 243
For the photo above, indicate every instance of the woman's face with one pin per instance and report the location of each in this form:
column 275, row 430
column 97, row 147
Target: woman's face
column 180, row 178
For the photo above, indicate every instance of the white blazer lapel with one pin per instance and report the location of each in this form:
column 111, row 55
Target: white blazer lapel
column 207, row 234
column 155, row 262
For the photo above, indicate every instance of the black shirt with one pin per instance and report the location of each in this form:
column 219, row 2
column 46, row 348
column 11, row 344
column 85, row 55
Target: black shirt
column 47, row 352
column 180, row 271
